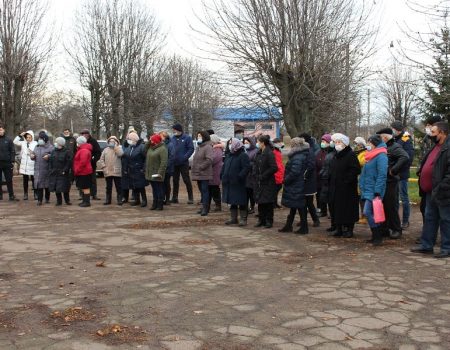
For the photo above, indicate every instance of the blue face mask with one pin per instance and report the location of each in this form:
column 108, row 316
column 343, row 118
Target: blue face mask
column 111, row 145
column 41, row 142
column 369, row 148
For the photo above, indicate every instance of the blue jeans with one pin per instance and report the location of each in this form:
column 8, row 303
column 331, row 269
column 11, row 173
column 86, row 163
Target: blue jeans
column 436, row 217
column 368, row 213
column 403, row 191
column 157, row 190
column 203, row 186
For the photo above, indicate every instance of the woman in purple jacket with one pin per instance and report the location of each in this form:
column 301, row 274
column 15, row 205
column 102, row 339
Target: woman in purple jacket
column 214, row 185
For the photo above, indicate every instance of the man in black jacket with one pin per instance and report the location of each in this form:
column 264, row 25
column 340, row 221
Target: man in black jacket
column 71, row 143
column 7, row 156
column 397, row 160
column 96, row 154
column 435, row 183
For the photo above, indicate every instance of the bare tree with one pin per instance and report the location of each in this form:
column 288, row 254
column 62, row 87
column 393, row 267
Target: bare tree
column 304, row 56
column 25, row 47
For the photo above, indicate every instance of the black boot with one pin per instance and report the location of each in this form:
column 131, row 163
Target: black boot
column 205, row 210
column 86, row 201
column 377, row 236
column 288, row 225
column 58, row 199
column 67, row 198
column 159, row 204
column 125, row 196
column 108, row 199
column 35, row 197
column 154, row 205
column 136, row 200
column 269, row 223
column 338, row 232
column 243, row 217
column 233, row 217
column 119, row 199
column 144, row 198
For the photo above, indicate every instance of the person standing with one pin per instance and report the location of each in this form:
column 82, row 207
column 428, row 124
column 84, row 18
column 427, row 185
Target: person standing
column 96, row 153
column 7, row 158
column 344, row 171
column 41, row 156
column 372, row 183
column 214, row 184
column 156, row 167
column 111, row 164
column 434, row 181
column 82, row 169
column 60, row 163
column 27, row 145
column 170, row 166
column 183, row 150
column 360, row 150
column 404, row 140
column 294, row 182
column 264, row 170
column 251, row 150
column 202, row 168
column 397, row 160
column 325, row 150
column 71, row 142
column 277, row 146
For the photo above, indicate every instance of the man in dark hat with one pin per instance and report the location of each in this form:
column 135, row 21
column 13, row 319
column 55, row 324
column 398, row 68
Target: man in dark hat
column 397, row 159
column 183, row 149
column 96, row 154
column 7, row 158
column 404, row 140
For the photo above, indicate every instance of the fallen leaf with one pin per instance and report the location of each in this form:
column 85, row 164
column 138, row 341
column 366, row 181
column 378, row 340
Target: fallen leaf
column 100, row 264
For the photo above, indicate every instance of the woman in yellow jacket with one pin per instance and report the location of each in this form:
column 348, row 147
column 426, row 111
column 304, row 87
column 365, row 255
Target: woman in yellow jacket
column 361, row 149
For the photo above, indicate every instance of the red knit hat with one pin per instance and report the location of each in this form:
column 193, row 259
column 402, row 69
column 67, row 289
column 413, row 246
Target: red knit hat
column 155, row 139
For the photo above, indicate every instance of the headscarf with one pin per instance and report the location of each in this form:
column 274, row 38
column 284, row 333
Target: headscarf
column 235, row 145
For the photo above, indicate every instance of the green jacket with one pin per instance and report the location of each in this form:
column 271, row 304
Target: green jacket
column 156, row 162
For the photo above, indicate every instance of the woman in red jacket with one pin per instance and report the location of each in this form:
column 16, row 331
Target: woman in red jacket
column 82, row 169
column 279, row 175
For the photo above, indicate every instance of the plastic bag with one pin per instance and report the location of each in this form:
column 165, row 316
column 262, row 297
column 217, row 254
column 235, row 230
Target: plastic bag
column 378, row 211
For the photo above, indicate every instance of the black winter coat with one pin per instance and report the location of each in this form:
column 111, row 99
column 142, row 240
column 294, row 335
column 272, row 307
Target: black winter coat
column 133, row 167
column 311, row 174
column 233, row 175
column 264, row 170
column 343, row 191
column 96, row 152
column 7, row 152
column 60, row 164
column 441, row 176
column 294, row 178
column 324, row 176
column 397, row 160
column 405, row 142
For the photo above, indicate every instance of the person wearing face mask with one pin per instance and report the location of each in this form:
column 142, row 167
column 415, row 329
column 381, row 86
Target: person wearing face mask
column 397, row 159
column 183, row 150
column 234, row 173
column 170, row 166
column 41, row 156
column 214, row 184
column 133, row 169
column 343, row 190
column 323, row 159
column 111, row 164
column 125, row 181
column 434, row 181
column 372, row 183
column 403, row 139
column 27, row 145
column 264, row 170
column 251, row 150
column 279, row 175
column 96, row 153
column 156, row 167
column 71, row 142
column 239, row 134
column 361, row 148
column 202, row 168
column 60, row 163
column 7, row 158
column 82, row 169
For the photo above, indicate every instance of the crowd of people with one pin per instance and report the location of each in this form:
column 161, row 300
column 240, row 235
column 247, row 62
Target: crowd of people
column 346, row 178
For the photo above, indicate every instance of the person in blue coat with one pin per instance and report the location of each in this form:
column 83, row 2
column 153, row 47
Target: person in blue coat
column 372, row 182
column 234, row 173
column 294, row 182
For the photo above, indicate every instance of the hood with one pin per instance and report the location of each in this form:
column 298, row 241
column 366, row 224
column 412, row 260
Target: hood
column 298, row 149
column 30, row 132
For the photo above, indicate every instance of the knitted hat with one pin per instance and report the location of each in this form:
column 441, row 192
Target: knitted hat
column 81, row 140
column 341, row 137
column 375, row 140
column 133, row 136
column 155, row 139
column 177, row 127
column 215, row 139
column 299, row 142
column 387, row 131
column 61, row 141
column 43, row 135
column 326, row 138
column 360, row 141
column 397, row 125
column 433, row 119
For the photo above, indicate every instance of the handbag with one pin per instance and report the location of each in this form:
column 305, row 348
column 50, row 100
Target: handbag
column 378, row 210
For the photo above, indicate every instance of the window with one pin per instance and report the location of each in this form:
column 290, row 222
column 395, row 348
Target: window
column 250, row 127
column 266, row 127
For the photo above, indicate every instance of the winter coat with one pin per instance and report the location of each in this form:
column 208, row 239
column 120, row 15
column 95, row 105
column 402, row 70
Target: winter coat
column 441, row 176
column 7, row 152
column 405, row 142
column 183, row 149
column 374, row 174
column 279, row 175
column 234, row 172
column 170, row 157
column 251, row 152
column 343, row 191
column 60, row 164
column 320, row 159
column 26, row 163
column 71, row 145
column 310, row 175
column 324, row 176
column 294, row 177
column 133, row 167
column 156, row 162
column 96, row 152
column 217, row 164
column 202, row 164
column 264, row 170
column 110, row 161
column 41, row 166
column 397, row 160
column 82, row 164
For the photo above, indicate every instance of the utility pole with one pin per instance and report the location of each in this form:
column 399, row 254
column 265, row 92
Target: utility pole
column 347, row 85
column 368, row 113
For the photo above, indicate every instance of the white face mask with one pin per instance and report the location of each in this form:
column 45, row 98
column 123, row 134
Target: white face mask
column 131, row 143
column 428, row 131
column 246, row 145
column 41, row 142
column 339, row 147
column 369, row 147
column 199, row 140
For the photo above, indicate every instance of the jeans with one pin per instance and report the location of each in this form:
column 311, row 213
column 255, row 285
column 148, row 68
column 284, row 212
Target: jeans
column 403, row 191
column 203, row 186
column 184, row 171
column 157, row 190
column 368, row 213
column 436, row 217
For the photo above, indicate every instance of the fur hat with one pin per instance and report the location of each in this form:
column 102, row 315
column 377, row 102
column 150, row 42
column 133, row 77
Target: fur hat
column 61, row 141
column 177, row 127
column 85, row 132
column 297, row 142
column 360, row 141
column 81, row 140
column 341, row 137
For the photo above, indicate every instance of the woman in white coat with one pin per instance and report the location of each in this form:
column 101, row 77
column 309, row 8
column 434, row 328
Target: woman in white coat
column 27, row 145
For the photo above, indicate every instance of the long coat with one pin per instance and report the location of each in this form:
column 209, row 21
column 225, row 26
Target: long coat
column 294, row 178
column 264, row 170
column 311, row 175
column 133, row 167
column 202, row 164
column 343, row 191
column 374, row 174
column 41, row 166
column 234, row 172
column 26, row 163
column 156, row 162
column 60, row 163
column 110, row 161
column 251, row 152
column 217, row 164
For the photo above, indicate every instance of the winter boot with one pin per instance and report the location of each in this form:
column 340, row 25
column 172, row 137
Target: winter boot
column 58, row 199
column 218, row 207
column 67, row 198
column 159, row 204
column 243, row 217
column 303, row 230
column 338, row 232
column 205, row 210
column 233, row 217
column 144, row 198
column 154, row 205
column 288, row 225
column 119, row 199
column 125, row 196
column 136, row 199
column 108, row 199
column 269, row 223
column 377, row 236
column 86, row 201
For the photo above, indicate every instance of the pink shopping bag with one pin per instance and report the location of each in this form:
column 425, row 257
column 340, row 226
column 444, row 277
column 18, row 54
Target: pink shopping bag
column 378, row 210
